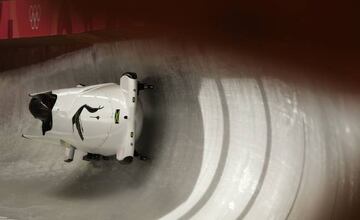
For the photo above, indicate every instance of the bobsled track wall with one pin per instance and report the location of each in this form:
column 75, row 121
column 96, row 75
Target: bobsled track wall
column 230, row 136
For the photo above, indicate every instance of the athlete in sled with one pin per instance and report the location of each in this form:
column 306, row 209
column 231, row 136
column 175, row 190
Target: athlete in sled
column 102, row 120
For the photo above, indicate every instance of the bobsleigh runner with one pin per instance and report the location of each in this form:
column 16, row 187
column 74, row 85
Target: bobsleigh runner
column 101, row 120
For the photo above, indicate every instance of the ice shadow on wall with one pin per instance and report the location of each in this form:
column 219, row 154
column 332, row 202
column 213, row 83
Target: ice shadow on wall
column 172, row 134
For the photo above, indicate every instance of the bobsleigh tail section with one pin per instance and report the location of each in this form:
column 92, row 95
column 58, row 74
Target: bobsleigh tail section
column 129, row 87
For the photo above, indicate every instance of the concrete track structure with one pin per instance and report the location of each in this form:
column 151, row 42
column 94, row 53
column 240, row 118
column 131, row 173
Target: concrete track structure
column 228, row 139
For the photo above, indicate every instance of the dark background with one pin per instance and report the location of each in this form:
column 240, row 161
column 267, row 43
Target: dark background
column 298, row 31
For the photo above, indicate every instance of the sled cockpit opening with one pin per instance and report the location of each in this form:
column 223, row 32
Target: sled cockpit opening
column 41, row 106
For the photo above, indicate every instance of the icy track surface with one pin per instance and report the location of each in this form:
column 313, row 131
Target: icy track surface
column 227, row 141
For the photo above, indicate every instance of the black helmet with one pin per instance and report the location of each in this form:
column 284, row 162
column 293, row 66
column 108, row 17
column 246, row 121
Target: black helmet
column 38, row 109
column 41, row 106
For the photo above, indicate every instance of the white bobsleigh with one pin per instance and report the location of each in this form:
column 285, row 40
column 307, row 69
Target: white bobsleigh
column 102, row 120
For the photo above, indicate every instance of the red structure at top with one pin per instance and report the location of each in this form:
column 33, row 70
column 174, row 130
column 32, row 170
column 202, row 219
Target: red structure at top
column 33, row 18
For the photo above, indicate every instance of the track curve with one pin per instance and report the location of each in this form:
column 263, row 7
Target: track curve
column 228, row 140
